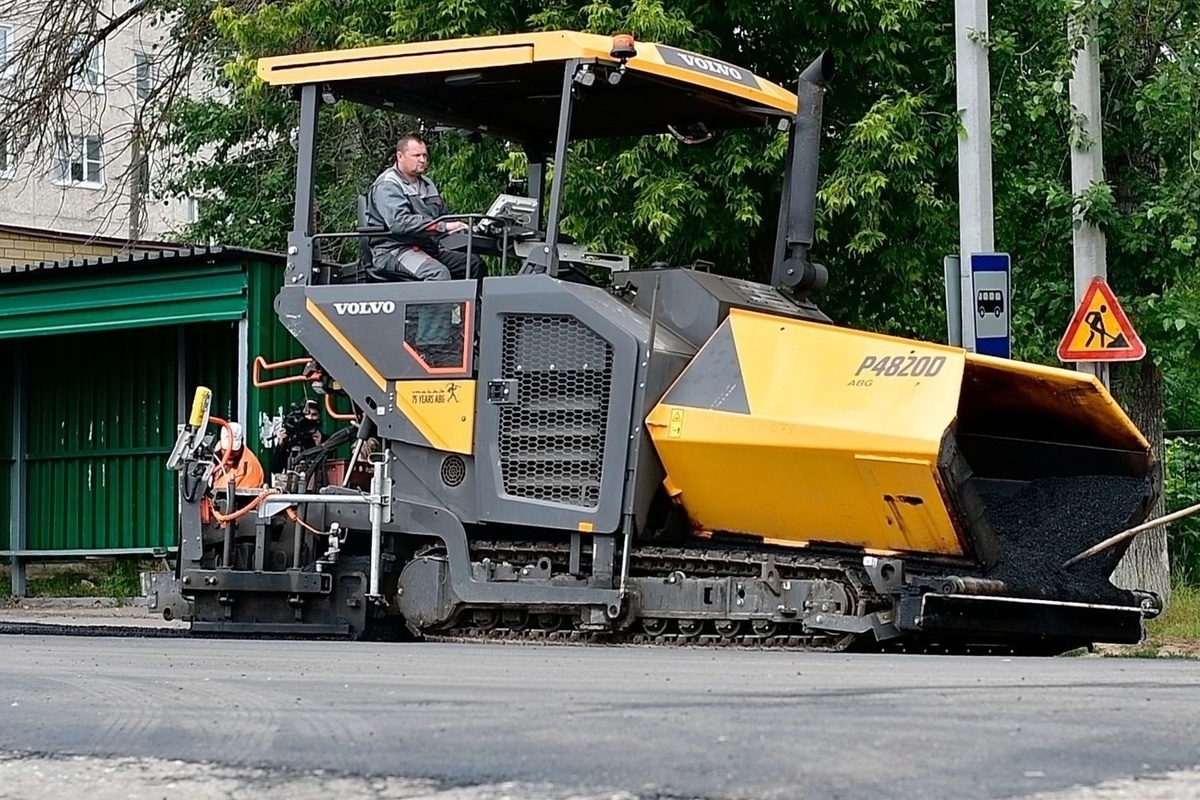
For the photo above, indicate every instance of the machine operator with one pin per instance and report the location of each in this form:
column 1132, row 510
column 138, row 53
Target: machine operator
column 406, row 202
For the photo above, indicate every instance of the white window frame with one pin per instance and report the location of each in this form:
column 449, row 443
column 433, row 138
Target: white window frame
column 93, row 65
column 76, row 152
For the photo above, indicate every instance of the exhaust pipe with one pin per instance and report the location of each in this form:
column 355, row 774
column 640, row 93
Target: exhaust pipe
column 797, row 208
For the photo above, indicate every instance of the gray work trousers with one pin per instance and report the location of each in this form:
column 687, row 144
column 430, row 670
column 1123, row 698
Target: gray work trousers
column 448, row 264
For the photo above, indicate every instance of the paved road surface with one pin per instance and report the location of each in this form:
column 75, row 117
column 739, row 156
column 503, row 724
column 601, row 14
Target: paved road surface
column 474, row 722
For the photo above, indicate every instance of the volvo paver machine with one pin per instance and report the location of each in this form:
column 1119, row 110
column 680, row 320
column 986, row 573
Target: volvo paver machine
column 573, row 449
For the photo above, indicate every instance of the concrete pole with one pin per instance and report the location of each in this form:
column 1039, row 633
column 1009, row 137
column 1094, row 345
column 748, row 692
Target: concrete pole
column 975, row 210
column 1087, row 164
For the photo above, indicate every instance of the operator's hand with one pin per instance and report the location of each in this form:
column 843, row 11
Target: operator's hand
column 280, row 437
column 317, row 437
column 456, row 225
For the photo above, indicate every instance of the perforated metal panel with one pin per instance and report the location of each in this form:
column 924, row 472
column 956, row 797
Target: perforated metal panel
column 552, row 440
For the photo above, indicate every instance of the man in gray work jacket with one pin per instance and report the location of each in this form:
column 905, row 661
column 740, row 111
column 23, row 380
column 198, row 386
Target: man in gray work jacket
column 405, row 202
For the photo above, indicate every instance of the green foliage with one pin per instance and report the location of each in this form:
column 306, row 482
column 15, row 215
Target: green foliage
column 1182, row 488
column 1181, row 619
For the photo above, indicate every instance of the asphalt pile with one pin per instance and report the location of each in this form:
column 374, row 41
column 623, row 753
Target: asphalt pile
column 1052, row 519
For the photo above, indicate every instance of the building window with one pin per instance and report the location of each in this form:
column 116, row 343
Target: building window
column 6, row 46
column 81, row 162
column 144, row 75
column 7, row 159
column 89, row 76
column 193, row 211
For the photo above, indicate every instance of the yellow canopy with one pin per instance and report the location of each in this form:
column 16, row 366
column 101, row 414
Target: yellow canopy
column 511, row 84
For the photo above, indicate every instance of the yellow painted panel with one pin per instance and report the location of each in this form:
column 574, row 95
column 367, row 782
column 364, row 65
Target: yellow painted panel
column 443, row 411
column 481, row 52
column 743, row 474
column 407, row 65
column 1001, row 388
column 888, row 395
column 769, row 94
column 842, row 430
column 380, row 60
column 914, row 514
column 840, row 420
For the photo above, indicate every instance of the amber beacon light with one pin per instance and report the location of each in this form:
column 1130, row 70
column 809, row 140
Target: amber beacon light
column 622, row 47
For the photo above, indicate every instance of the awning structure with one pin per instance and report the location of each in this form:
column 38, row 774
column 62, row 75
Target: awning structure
column 100, row 357
column 139, row 290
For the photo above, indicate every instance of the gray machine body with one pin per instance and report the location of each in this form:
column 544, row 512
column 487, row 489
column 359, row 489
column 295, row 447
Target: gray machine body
column 564, row 376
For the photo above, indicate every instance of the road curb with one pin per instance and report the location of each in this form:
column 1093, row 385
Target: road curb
column 69, row 602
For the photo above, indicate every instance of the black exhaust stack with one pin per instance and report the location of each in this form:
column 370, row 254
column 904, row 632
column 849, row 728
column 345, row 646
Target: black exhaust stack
column 798, row 205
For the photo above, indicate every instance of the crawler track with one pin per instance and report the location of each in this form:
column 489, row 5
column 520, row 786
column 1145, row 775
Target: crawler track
column 514, row 626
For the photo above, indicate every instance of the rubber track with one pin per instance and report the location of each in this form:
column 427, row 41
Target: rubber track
column 715, row 561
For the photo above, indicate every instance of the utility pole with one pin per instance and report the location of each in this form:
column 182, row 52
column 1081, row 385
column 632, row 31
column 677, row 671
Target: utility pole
column 1087, row 162
column 1146, row 565
column 976, row 229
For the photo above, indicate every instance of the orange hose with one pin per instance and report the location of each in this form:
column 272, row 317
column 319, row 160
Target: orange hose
column 261, row 363
column 334, row 414
column 225, row 519
column 294, row 517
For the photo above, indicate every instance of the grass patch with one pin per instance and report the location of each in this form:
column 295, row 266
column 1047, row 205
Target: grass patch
column 1181, row 620
column 118, row 578
column 1174, row 634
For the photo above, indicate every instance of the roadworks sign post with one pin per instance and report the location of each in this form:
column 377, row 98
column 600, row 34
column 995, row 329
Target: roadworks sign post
column 1100, row 329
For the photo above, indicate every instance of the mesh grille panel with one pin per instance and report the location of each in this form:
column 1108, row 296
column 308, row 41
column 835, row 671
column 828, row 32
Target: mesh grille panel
column 552, row 439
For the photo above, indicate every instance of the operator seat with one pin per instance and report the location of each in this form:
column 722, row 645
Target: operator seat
column 363, row 270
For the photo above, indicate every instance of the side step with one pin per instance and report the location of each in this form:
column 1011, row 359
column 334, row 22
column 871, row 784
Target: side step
column 983, row 616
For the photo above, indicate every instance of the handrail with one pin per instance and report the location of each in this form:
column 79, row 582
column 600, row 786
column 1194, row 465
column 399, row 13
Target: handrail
column 333, row 414
column 471, row 218
column 351, row 234
column 261, row 364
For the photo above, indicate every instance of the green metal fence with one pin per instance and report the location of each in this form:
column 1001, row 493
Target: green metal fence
column 268, row 338
column 101, row 422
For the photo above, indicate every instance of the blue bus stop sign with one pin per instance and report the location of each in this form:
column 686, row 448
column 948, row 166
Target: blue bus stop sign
column 989, row 305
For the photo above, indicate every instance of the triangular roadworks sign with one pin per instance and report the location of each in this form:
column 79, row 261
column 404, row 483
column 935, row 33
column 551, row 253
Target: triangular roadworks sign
column 1100, row 330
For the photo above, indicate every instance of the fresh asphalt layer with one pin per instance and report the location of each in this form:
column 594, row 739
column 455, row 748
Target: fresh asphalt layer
column 558, row 721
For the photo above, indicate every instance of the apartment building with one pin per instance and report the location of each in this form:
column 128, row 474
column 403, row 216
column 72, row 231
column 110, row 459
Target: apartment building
column 95, row 187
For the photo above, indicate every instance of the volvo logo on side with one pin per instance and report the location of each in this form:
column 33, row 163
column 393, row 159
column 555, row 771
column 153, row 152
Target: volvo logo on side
column 365, row 307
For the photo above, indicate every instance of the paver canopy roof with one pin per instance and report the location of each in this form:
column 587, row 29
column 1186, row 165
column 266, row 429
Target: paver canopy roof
column 511, row 85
